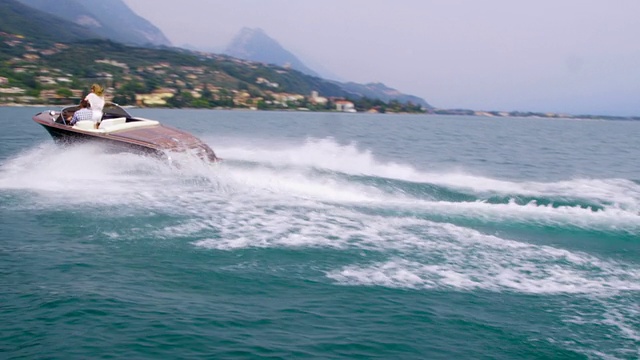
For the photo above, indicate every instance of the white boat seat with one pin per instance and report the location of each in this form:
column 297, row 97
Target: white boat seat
column 110, row 122
column 113, row 125
column 85, row 125
column 131, row 125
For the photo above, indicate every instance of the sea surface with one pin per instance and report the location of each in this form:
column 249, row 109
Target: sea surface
column 324, row 236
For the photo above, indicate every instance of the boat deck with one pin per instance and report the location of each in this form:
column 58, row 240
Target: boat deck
column 161, row 136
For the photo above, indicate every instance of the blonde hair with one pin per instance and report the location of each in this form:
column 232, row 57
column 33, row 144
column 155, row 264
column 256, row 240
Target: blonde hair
column 97, row 89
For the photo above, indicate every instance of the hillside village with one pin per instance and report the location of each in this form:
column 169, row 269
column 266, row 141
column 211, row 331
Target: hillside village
column 54, row 73
column 41, row 73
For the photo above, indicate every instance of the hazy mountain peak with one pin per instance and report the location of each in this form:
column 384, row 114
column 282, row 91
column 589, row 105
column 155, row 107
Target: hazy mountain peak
column 255, row 45
column 378, row 90
column 247, row 31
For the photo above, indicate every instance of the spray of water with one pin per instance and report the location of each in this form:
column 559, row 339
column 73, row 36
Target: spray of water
column 322, row 194
column 314, row 195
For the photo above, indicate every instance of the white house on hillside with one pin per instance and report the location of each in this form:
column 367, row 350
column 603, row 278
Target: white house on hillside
column 345, row 106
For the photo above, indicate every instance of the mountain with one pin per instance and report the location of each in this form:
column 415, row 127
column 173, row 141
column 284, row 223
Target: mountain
column 24, row 20
column 256, row 45
column 211, row 50
column 110, row 19
column 382, row 92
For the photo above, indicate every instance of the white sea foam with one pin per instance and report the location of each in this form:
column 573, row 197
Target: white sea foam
column 85, row 175
column 287, row 204
column 626, row 319
column 526, row 277
column 52, row 169
column 299, row 198
column 349, row 159
column 620, row 314
column 611, row 218
column 455, row 257
column 232, row 192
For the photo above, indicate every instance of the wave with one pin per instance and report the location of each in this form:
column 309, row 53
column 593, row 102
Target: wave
column 379, row 223
column 327, row 154
column 578, row 203
column 315, row 172
column 247, row 202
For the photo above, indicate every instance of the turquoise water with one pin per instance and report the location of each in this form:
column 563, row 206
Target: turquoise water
column 325, row 236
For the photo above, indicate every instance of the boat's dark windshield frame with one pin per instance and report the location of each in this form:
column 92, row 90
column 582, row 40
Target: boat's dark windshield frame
column 114, row 110
column 110, row 110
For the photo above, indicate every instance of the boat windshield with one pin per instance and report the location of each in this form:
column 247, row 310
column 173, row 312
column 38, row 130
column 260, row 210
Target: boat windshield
column 110, row 111
column 114, row 110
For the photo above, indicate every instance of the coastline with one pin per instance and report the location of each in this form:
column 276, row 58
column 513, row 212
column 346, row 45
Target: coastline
column 479, row 114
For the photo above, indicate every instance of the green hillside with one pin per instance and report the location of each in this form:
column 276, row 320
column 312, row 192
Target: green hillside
column 82, row 61
column 46, row 59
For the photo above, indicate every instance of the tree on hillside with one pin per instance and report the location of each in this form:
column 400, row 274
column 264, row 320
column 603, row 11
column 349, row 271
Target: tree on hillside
column 64, row 92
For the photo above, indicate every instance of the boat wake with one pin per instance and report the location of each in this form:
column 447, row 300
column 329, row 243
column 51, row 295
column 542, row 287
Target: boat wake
column 378, row 223
column 304, row 197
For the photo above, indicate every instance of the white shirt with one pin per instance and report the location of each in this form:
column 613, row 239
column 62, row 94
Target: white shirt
column 96, row 103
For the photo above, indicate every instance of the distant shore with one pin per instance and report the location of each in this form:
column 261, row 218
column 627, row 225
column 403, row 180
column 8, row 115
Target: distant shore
column 444, row 112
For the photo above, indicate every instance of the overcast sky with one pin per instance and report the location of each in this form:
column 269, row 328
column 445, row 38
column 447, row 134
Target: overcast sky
column 574, row 56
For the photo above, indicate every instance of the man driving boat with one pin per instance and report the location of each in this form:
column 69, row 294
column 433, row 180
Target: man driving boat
column 83, row 113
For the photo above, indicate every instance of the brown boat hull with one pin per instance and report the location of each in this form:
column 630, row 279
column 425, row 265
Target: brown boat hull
column 157, row 140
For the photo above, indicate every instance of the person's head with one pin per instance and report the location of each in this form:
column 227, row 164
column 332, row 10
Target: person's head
column 97, row 89
column 84, row 103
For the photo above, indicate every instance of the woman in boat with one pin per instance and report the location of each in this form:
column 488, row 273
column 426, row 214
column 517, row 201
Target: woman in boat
column 96, row 101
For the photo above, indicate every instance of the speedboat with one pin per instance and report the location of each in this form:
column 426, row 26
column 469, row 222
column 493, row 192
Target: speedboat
column 123, row 132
